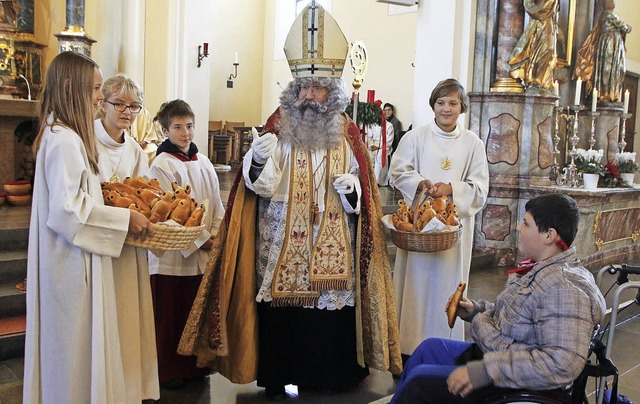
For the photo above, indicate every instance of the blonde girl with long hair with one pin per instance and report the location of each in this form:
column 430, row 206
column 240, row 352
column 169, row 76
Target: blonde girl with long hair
column 72, row 350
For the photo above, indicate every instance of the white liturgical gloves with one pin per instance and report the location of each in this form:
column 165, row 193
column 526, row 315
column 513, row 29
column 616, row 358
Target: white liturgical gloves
column 263, row 146
column 345, row 183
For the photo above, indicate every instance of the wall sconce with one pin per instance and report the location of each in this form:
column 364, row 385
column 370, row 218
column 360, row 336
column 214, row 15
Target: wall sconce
column 235, row 72
column 202, row 55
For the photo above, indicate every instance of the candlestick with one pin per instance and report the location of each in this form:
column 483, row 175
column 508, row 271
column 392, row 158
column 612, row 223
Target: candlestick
column 554, row 175
column 594, row 115
column 235, row 60
column 571, row 172
column 594, row 100
column 556, row 91
column 576, row 100
column 625, row 109
column 622, row 144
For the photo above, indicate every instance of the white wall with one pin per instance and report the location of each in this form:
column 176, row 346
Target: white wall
column 444, row 49
column 390, row 41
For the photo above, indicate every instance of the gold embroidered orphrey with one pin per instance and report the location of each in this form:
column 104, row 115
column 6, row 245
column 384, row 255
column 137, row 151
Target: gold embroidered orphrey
column 304, row 268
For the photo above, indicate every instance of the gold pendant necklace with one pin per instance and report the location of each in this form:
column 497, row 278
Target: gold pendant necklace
column 446, row 164
column 115, row 178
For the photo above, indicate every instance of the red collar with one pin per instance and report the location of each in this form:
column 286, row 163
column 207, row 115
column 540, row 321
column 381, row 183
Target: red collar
column 527, row 265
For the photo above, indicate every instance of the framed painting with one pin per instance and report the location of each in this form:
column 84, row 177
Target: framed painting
column 566, row 22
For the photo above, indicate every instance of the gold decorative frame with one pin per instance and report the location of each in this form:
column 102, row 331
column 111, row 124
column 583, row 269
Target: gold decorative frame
column 599, row 242
column 566, row 23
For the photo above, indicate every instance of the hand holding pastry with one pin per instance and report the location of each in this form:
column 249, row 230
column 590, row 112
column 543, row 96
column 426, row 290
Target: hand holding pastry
column 139, row 225
column 440, row 189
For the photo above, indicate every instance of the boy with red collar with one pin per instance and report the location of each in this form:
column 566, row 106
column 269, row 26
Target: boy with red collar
column 537, row 333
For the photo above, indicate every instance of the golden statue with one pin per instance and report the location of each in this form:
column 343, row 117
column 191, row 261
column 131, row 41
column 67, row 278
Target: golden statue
column 534, row 57
column 601, row 60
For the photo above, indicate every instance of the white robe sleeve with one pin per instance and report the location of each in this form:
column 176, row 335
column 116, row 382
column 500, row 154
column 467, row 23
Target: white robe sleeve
column 269, row 179
column 403, row 170
column 470, row 193
column 73, row 213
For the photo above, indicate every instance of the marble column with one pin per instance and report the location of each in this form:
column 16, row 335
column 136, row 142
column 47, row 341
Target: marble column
column 510, row 28
column 75, row 15
column 73, row 38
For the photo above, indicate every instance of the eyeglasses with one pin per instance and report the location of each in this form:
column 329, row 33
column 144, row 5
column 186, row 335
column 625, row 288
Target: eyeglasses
column 120, row 107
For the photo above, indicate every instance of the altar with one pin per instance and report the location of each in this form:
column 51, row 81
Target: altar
column 608, row 231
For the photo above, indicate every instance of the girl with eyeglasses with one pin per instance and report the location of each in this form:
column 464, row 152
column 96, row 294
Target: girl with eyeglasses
column 120, row 156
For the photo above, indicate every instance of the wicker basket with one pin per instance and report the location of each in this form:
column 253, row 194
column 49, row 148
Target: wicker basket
column 167, row 238
column 425, row 242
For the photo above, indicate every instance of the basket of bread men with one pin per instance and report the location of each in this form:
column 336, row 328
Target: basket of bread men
column 428, row 225
column 176, row 218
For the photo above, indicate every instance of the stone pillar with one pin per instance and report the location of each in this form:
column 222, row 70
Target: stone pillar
column 75, row 15
column 73, row 38
column 510, row 28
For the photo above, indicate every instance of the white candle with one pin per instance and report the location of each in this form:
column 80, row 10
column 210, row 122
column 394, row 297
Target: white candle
column 576, row 100
column 236, row 58
column 556, row 91
column 594, row 100
column 625, row 109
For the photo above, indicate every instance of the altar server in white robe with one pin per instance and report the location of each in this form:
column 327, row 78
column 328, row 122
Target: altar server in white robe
column 376, row 145
column 176, row 275
column 451, row 161
column 72, row 350
column 120, row 156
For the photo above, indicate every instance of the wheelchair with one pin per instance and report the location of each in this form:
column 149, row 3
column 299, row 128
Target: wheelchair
column 599, row 364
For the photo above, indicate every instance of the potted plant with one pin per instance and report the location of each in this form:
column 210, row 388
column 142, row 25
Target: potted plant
column 627, row 166
column 589, row 163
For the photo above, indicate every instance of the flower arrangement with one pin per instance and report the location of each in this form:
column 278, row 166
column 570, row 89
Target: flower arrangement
column 626, row 162
column 611, row 177
column 589, row 161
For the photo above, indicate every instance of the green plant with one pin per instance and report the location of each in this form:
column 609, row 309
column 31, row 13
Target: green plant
column 368, row 113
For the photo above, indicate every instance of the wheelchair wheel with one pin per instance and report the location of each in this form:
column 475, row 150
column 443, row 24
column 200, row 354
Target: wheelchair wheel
column 523, row 396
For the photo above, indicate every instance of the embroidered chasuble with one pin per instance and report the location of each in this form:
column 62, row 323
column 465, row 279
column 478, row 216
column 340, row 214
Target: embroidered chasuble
column 222, row 326
column 305, row 268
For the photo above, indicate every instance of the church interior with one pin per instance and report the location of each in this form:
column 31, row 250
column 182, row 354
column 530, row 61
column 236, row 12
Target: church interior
column 226, row 59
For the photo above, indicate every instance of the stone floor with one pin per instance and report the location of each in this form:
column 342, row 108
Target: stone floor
column 484, row 283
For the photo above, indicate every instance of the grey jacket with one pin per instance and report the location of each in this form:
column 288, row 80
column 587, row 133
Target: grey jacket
column 537, row 333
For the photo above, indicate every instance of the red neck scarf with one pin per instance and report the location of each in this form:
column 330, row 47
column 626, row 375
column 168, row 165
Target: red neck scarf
column 527, row 265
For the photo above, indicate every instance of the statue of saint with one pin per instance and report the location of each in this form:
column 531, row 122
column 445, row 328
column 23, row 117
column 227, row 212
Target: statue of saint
column 601, row 60
column 534, row 57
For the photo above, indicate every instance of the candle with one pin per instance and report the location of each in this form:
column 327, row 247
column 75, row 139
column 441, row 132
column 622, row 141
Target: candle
column 556, row 91
column 236, row 59
column 371, row 95
column 594, row 100
column 206, row 48
column 576, row 100
column 626, row 102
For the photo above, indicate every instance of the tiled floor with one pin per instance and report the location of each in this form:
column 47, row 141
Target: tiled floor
column 484, row 283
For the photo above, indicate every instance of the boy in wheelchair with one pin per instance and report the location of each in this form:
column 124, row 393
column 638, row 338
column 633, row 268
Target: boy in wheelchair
column 535, row 336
